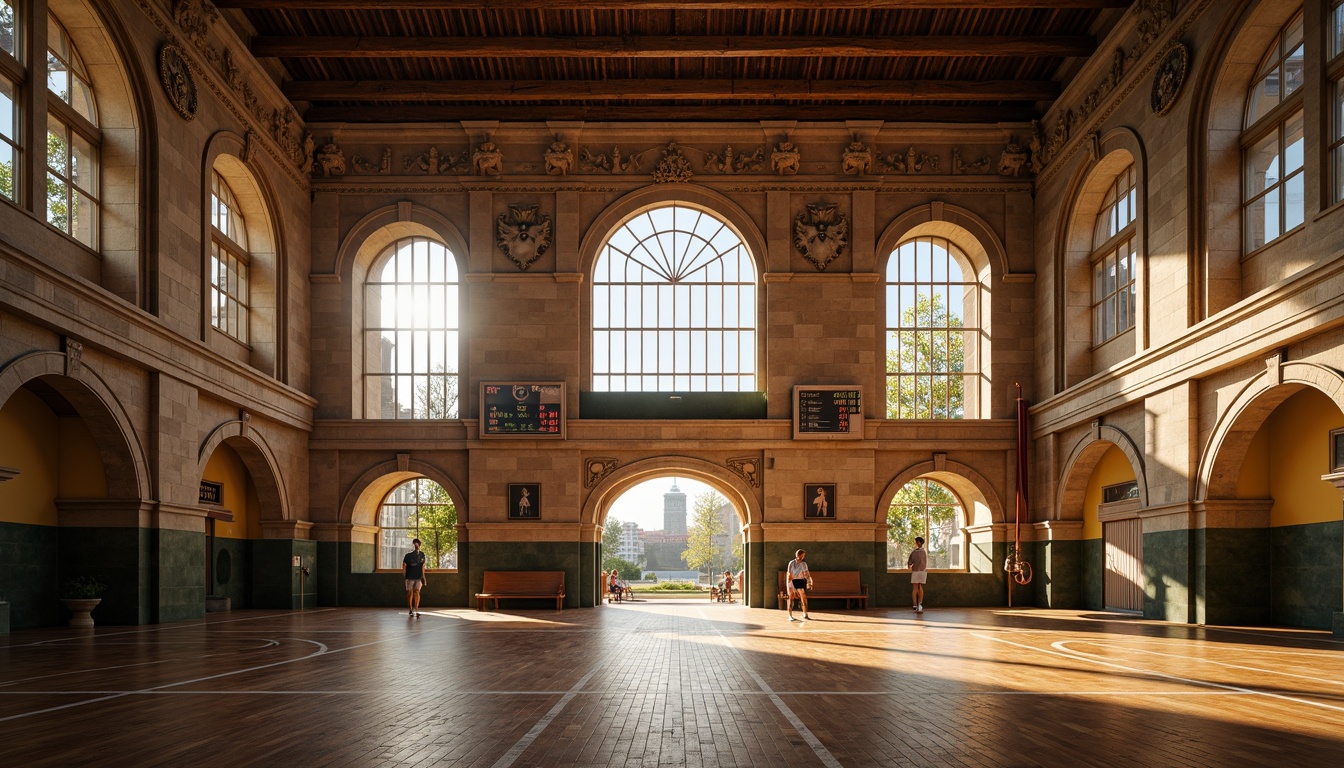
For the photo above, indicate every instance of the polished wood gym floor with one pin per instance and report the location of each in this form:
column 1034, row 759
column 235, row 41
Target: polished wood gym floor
column 671, row 683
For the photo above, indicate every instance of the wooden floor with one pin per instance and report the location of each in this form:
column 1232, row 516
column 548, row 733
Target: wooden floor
column 671, row 683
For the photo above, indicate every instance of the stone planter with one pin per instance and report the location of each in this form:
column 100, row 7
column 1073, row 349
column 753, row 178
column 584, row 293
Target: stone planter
column 80, row 610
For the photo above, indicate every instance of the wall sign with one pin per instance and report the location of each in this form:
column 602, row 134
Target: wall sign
column 827, row 412
column 212, row 493
column 523, row 409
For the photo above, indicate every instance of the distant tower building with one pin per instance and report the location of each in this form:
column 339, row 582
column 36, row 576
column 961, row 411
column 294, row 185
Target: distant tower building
column 674, row 512
column 632, row 543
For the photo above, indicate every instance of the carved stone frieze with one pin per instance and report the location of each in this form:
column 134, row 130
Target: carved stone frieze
column 487, row 160
column 912, row 161
column 821, row 233
column 597, row 468
column 1013, row 160
column 175, row 75
column 786, row 160
column 523, row 234
column 74, row 357
column 735, row 162
column 432, row 163
column 857, row 159
column 673, row 167
column 748, row 468
column 194, row 18
column 330, row 160
column 559, row 159
column 616, row 163
column 958, row 167
column 383, row 166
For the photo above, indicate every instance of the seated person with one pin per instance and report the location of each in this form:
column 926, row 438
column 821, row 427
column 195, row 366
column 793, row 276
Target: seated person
column 614, row 586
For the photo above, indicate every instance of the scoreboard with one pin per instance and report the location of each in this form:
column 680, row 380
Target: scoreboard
column 827, row 412
column 523, row 409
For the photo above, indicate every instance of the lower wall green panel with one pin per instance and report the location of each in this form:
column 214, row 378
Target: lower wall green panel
column 30, row 569
column 232, row 576
column 1092, row 580
column 1168, row 575
column 570, row 557
column 1230, row 569
column 1057, row 568
column 276, row 582
column 1306, row 586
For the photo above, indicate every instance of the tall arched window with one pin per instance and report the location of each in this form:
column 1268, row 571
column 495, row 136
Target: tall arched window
column 928, row 509
column 411, row 333
column 73, row 140
column 1336, row 73
column 674, row 306
column 11, row 74
column 418, row 509
column 1114, row 256
column 933, row 334
column 229, row 261
column 1273, row 195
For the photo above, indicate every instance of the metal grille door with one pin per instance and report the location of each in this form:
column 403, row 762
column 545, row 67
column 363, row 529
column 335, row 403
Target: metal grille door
column 1124, row 565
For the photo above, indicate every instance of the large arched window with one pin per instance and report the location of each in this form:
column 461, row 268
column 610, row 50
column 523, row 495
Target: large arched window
column 1336, row 74
column 73, row 140
column 928, row 509
column 933, row 334
column 11, row 74
column 674, row 306
column 410, row 332
column 229, row 261
column 1273, row 187
column 1114, row 257
column 418, row 509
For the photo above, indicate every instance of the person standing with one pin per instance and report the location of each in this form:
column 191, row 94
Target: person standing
column 800, row 580
column 728, row 586
column 918, row 563
column 413, row 569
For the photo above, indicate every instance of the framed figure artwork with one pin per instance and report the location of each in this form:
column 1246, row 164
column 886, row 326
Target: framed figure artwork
column 524, row 501
column 819, row 501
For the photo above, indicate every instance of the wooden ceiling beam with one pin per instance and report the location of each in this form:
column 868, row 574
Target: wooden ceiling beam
column 424, row 113
column 631, row 46
column 666, row 5
column 382, row 91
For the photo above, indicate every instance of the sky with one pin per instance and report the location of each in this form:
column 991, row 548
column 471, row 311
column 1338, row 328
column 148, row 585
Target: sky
column 643, row 504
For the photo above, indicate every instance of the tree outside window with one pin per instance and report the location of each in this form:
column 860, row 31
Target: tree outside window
column 418, row 509
column 926, row 508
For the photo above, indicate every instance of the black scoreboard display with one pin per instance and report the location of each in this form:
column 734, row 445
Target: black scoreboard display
column 827, row 412
column 523, row 409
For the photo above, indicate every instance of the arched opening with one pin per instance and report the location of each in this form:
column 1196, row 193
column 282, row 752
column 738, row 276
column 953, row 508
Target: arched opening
column 232, row 523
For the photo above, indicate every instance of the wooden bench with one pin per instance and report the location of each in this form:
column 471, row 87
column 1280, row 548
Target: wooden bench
column 521, row 585
column 835, row 585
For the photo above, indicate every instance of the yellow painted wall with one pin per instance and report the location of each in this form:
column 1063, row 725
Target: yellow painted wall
column 81, row 469
column 1113, row 468
column 1299, row 434
column 240, row 494
column 29, row 442
column 1253, row 480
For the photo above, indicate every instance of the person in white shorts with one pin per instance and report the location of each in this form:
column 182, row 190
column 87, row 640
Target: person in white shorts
column 918, row 563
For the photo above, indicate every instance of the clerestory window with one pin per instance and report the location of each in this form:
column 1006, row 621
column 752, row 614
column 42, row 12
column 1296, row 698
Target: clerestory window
column 1273, row 140
column 1114, row 259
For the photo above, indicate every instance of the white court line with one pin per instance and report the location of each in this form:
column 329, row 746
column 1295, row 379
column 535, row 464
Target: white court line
column 820, row 749
column 519, row 748
column 626, row 692
column 265, row 644
column 165, row 628
column 1064, row 645
column 1079, row 656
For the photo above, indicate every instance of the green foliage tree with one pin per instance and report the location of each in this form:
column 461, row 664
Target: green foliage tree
column 58, row 192
column 702, row 552
column 925, row 508
column 435, row 518
column 926, row 360
column 611, row 543
column 436, row 397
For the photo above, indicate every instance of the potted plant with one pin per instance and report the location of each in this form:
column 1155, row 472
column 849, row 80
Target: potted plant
column 81, row 595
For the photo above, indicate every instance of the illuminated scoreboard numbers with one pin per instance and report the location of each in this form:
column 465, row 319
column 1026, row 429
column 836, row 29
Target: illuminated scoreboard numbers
column 828, row 412
column 522, row 409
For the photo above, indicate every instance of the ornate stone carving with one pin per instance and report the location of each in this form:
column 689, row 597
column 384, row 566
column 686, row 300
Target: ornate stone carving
column 673, row 167
column 735, row 162
column 959, row 167
column 523, row 234
column 384, row 166
column 748, row 468
column 330, row 160
column 786, row 160
column 857, row 159
column 432, row 162
column 195, row 18
column 590, row 163
column 74, row 357
column 249, row 145
column 910, row 162
column 597, row 468
column 177, row 81
column 1169, row 79
column 821, row 233
column 305, row 157
column 559, row 159
column 487, row 160
column 1013, row 159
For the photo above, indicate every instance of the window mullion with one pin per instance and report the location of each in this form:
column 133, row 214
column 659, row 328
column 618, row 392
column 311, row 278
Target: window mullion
column 33, row 131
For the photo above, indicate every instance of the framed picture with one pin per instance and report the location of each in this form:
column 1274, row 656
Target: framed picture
column 1337, row 450
column 524, row 501
column 819, row 501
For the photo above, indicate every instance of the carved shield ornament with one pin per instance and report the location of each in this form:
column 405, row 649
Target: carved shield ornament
column 1169, row 79
column 177, row 81
column 523, row 234
column 821, row 233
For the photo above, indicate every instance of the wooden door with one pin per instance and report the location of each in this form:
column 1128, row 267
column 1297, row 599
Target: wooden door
column 1124, row 565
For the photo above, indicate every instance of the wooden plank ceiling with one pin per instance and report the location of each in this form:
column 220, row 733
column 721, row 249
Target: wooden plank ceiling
column 510, row 60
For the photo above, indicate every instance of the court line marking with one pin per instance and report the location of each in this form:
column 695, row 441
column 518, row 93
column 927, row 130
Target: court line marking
column 510, row 757
column 165, row 628
column 1064, row 644
column 1085, row 657
column 626, row 692
column 818, row 748
column 266, row 643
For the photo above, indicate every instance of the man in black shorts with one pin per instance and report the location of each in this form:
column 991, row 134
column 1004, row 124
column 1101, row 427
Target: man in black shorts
column 413, row 569
column 798, row 579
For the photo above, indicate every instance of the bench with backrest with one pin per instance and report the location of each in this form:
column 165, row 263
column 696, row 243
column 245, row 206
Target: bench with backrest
column 835, row 585
column 521, row 585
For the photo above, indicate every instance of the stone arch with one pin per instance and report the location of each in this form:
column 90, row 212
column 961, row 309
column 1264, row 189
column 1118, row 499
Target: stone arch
column 125, row 163
column 969, row 232
column 1219, row 93
column 1073, row 251
column 359, row 507
column 971, row 487
column 1231, row 438
column 1083, row 459
column 384, row 226
column 622, row 479
column 123, row 456
column 257, row 203
column 260, row 461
